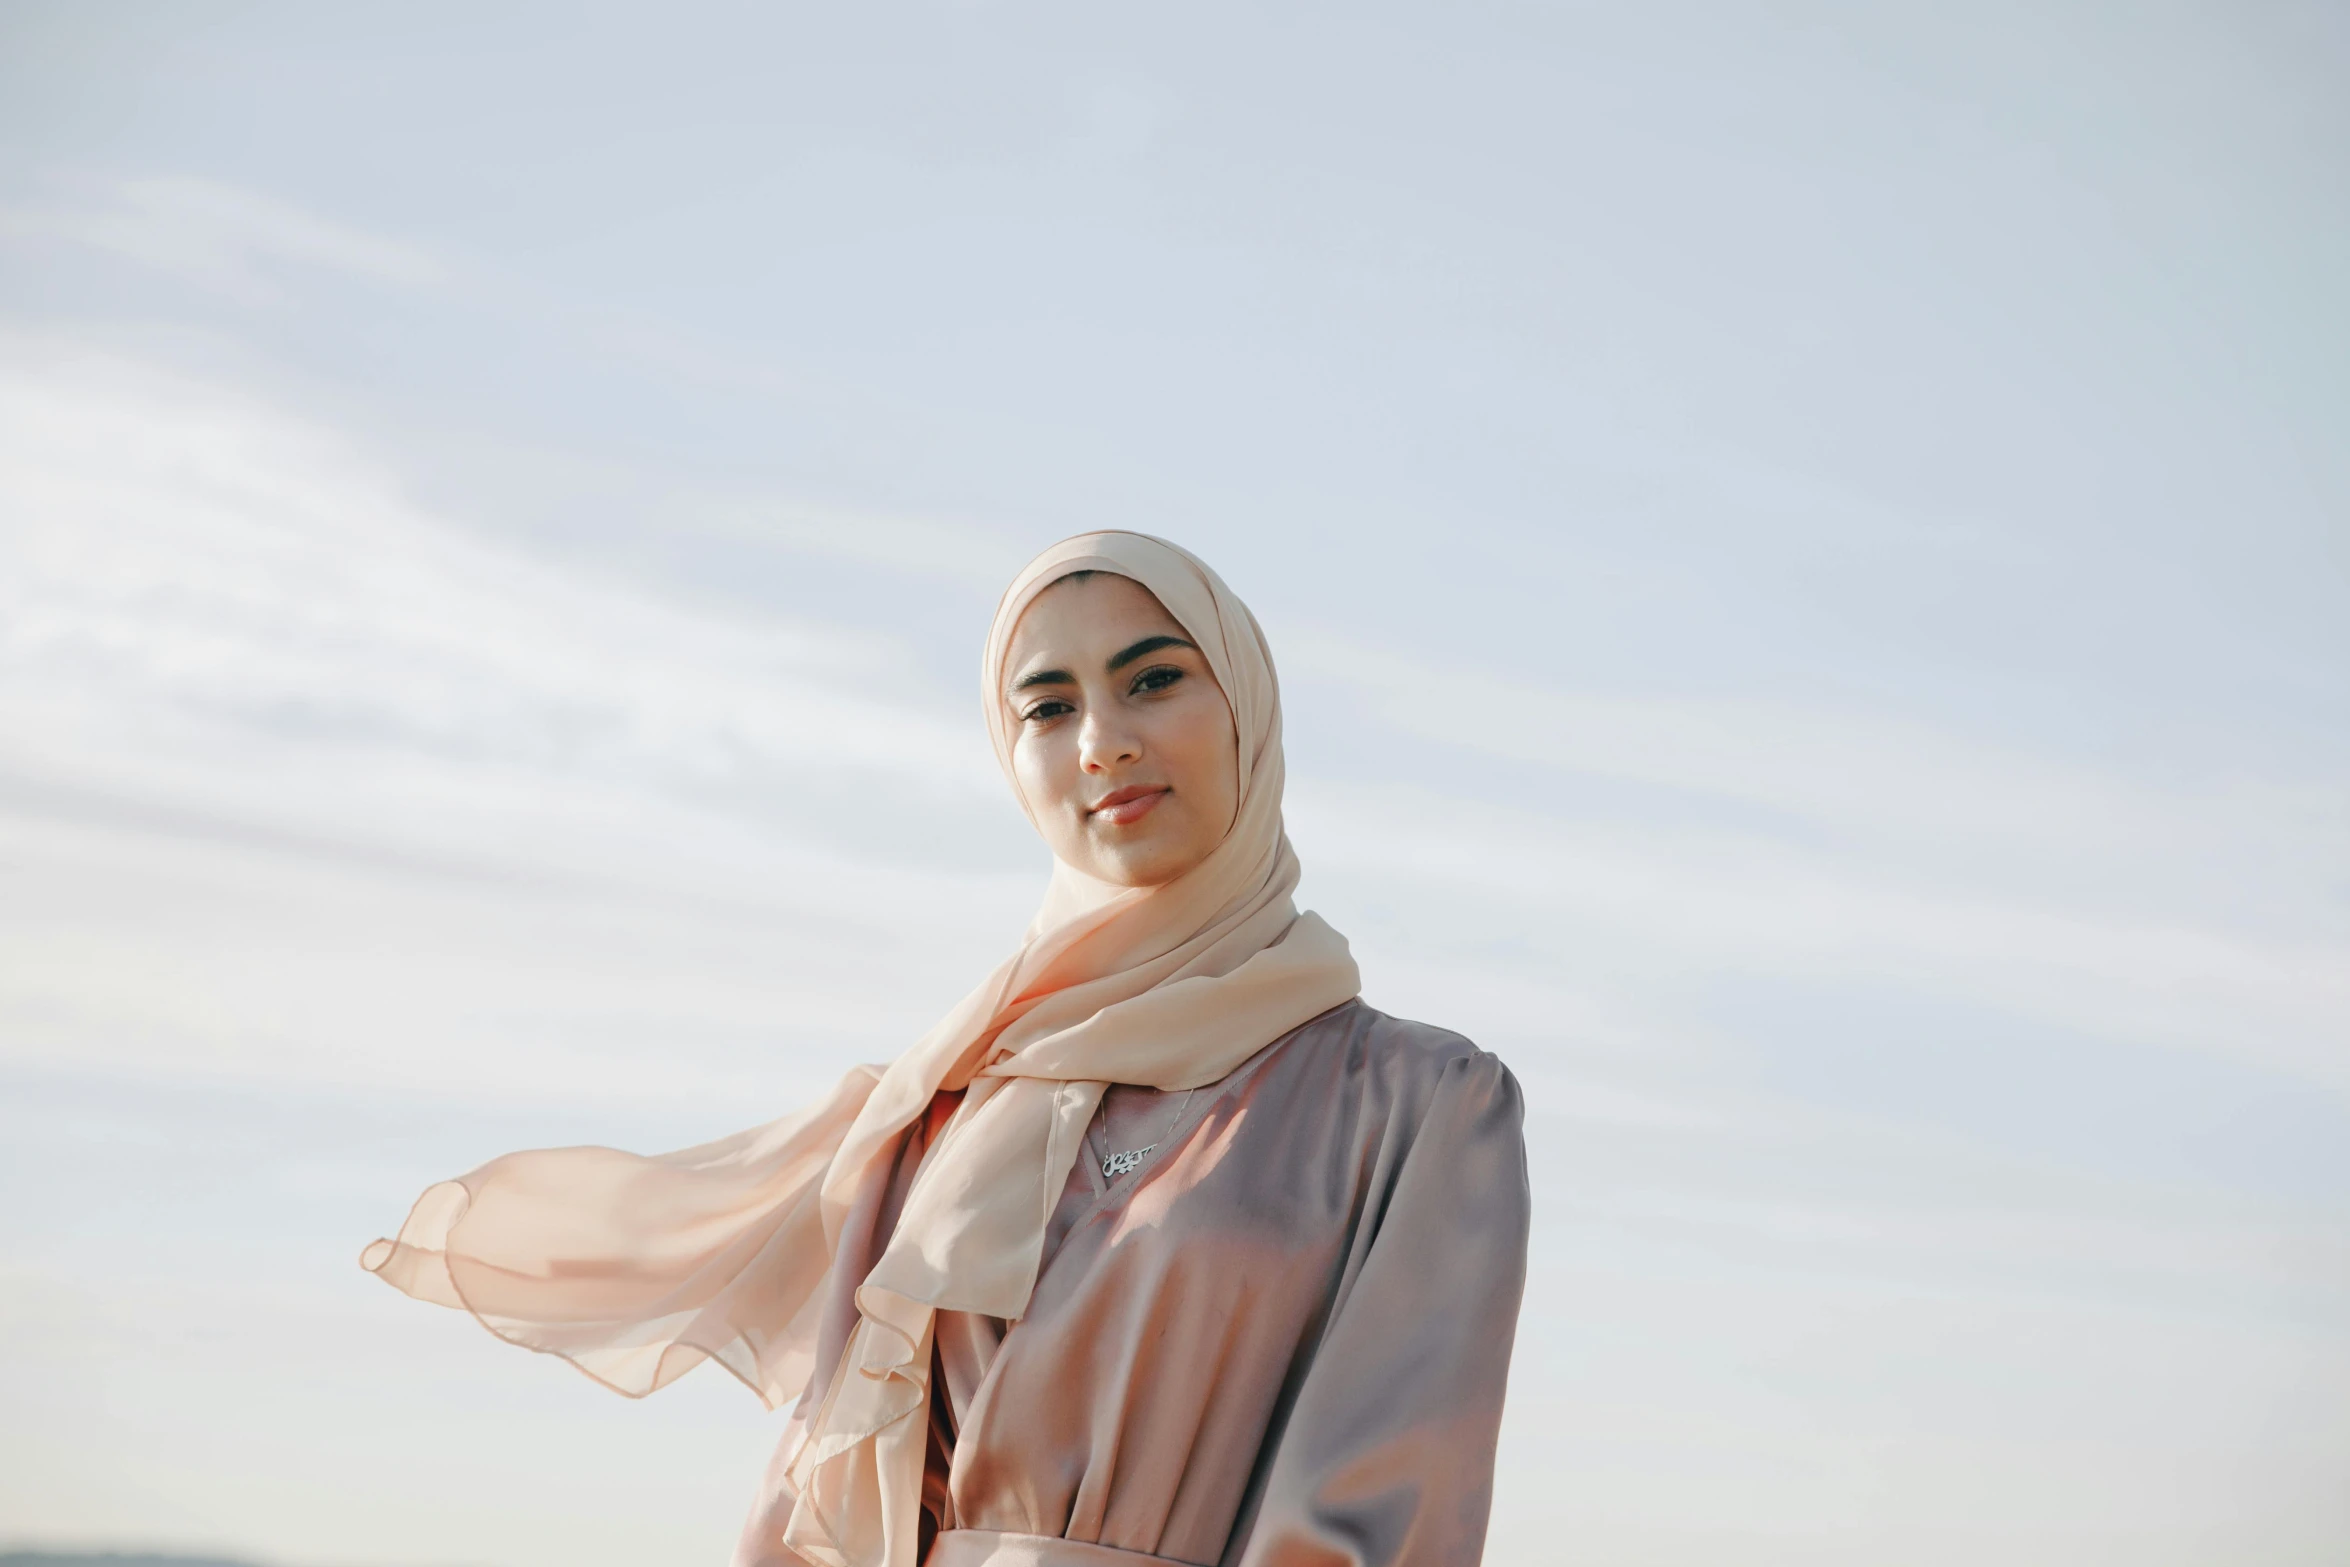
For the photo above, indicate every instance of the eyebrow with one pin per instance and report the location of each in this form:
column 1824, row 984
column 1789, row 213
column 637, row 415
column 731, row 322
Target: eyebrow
column 1118, row 661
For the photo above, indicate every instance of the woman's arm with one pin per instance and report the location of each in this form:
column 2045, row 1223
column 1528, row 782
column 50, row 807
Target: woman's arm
column 1386, row 1459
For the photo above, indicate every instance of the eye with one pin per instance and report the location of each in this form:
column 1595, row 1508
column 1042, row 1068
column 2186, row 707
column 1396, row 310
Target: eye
column 1050, row 707
column 1156, row 678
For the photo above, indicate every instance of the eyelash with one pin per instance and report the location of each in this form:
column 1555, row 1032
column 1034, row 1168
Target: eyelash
column 1040, row 714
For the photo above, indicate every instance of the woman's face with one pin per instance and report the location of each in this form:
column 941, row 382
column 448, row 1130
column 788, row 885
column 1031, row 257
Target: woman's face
column 1122, row 740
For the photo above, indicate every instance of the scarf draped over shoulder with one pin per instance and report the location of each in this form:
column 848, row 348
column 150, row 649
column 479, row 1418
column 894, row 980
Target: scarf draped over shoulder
column 637, row 1269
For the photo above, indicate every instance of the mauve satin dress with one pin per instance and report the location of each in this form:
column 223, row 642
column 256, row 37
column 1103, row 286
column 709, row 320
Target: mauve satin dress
column 1282, row 1341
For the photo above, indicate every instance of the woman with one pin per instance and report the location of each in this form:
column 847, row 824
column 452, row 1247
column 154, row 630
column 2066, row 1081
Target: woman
column 1160, row 1245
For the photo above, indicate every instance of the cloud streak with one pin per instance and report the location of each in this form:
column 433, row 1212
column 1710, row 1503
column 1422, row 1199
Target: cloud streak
column 1841, row 846
column 217, row 236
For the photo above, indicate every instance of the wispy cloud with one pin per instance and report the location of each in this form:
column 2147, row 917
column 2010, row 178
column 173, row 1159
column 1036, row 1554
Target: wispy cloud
column 916, row 546
column 185, row 557
column 1873, row 781
column 238, row 241
column 1602, row 904
column 229, row 644
column 1840, row 847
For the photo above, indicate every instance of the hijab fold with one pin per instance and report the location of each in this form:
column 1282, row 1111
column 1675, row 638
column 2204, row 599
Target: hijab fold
column 637, row 1269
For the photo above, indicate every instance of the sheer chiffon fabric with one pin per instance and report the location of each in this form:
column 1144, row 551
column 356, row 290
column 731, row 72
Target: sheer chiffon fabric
column 636, row 1269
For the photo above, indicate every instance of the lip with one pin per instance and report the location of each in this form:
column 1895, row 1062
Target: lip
column 1124, row 807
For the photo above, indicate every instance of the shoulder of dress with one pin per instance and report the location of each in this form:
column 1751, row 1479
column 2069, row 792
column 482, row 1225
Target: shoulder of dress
column 1420, row 1050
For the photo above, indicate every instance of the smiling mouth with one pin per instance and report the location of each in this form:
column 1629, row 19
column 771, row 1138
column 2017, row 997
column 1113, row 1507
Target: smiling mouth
column 1125, row 807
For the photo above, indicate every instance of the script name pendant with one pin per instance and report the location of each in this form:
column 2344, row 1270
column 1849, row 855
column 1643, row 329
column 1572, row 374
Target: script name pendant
column 1119, row 1164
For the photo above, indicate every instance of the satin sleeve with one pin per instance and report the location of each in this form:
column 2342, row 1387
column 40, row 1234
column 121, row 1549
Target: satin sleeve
column 1386, row 1459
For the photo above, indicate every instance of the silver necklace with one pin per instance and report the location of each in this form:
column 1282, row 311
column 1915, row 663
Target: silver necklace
column 1117, row 1164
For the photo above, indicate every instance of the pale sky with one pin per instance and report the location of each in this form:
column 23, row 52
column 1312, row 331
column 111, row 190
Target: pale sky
column 1809, row 549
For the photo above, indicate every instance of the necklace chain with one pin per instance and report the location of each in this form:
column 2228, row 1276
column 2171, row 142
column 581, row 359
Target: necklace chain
column 1126, row 1163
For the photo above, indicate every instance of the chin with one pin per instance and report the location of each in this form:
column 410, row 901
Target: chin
column 1139, row 866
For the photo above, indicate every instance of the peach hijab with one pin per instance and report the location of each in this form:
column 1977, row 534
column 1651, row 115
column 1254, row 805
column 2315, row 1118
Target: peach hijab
column 638, row 1269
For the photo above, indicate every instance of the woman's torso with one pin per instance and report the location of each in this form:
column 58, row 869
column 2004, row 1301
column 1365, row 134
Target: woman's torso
column 1283, row 1338
column 1139, row 1402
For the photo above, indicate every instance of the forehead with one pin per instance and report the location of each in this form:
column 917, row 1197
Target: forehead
column 1078, row 617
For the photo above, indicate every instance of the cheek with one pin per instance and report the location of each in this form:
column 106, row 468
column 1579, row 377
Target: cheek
column 1203, row 748
column 1046, row 773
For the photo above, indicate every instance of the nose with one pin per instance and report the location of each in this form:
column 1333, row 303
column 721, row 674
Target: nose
column 1105, row 741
